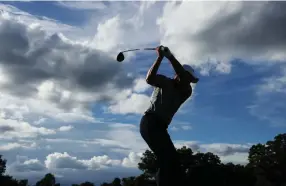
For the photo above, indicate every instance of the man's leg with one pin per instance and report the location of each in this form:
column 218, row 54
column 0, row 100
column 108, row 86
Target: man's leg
column 170, row 167
column 159, row 141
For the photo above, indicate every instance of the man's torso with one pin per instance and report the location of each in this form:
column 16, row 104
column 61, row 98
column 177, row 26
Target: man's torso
column 166, row 101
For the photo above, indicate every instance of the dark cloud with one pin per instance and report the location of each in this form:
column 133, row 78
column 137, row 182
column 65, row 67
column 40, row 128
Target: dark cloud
column 226, row 149
column 27, row 166
column 29, row 57
column 256, row 27
column 6, row 128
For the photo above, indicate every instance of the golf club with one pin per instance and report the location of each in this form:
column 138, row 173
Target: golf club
column 120, row 56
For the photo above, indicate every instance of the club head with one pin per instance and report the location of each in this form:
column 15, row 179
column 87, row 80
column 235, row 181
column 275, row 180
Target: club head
column 120, row 57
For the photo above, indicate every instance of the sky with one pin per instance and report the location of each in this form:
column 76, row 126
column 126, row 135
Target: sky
column 67, row 107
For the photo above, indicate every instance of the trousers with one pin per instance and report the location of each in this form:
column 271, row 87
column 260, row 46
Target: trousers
column 155, row 134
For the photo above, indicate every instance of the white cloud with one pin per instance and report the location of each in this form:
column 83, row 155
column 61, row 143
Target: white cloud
column 135, row 103
column 178, row 127
column 12, row 146
column 121, row 30
column 22, row 129
column 186, row 127
column 140, row 85
column 173, row 128
column 236, row 158
column 65, row 161
column 225, row 149
column 89, row 5
column 132, row 160
column 43, row 23
column 65, row 128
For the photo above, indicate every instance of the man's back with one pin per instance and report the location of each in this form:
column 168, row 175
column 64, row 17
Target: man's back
column 167, row 99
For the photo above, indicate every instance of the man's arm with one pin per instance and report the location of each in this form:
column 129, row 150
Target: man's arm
column 179, row 69
column 152, row 77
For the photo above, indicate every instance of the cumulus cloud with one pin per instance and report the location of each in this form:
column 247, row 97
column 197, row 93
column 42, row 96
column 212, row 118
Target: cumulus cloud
column 46, row 73
column 65, row 161
column 132, row 160
column 218, row 32
column 33, row 61
column 140, row 85
column 135, row 103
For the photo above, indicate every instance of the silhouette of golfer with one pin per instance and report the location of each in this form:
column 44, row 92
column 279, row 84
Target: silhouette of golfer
column 168, row 95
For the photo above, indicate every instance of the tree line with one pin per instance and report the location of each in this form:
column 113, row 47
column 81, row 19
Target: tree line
column 266, row 167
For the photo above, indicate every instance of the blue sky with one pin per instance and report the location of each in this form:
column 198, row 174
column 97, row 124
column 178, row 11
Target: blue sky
column 65, row 122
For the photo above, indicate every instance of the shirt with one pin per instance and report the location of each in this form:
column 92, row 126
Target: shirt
column 167, row 99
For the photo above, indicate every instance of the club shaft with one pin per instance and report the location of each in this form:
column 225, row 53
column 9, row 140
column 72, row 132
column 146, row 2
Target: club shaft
column 138, row 49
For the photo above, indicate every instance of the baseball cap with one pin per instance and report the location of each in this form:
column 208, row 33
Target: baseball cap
column 189, row 69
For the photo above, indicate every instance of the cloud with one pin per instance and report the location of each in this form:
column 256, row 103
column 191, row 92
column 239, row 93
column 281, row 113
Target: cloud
column 179, row 127
column 121, row 29
column 65, row 128
column 65, row 161
column 217, row 33
column 37, row 61
column 235, row 153
column 132, row 160
column 22, row 129
column 36, row 76
column 226, row 149
column 12, row 146
column 135, row 103
column 268, row 106
column 28, row 165
column 83, row 5
column 126, row 137
column 6, row 128
column 186, row 127
column 43, row 23
column 140, row 85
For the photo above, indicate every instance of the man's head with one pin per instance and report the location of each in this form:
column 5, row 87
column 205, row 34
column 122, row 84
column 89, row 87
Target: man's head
column 191, row 74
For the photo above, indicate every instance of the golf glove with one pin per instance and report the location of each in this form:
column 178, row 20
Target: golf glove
column 166, row 52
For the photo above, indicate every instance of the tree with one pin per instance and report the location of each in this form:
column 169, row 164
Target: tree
column 48, row 180
column 23, row 183
column 186, row 157
column 105, row 184
column 148, row 164
column 2, row 165
column 87, row 184
column 269, row 159
column 116, row 182
column 128, row 181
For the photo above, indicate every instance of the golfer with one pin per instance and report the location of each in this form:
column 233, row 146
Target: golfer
column 168, row 95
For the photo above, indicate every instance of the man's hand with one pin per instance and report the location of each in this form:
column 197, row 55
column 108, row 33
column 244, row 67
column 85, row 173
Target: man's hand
column 160, row 52
column 166, row 52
